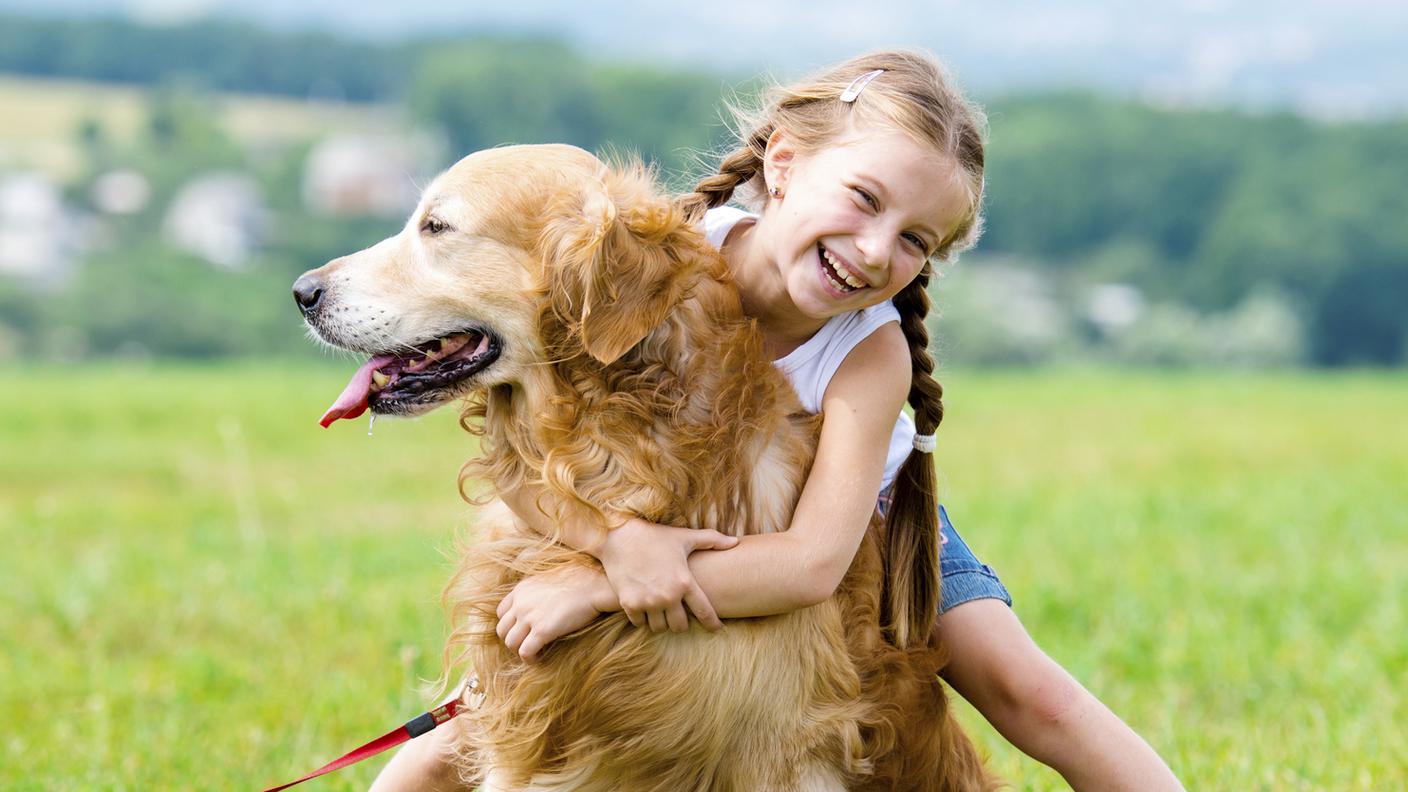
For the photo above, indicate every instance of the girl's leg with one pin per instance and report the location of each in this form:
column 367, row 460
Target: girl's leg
column 1038, row 707
column 421, row 764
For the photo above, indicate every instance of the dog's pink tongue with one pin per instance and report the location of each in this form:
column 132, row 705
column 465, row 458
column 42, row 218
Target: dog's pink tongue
column 352, row 402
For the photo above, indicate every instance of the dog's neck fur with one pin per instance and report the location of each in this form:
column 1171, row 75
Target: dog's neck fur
column 700, row 385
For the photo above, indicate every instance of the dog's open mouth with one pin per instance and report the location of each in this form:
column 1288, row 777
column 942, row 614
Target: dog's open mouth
column 401, row 384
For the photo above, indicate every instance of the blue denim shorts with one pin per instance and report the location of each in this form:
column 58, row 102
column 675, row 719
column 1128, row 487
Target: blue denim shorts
column 963, row 577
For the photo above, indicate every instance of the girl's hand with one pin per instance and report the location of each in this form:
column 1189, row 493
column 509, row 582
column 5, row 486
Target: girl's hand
column 648, row 567
column 545, row 607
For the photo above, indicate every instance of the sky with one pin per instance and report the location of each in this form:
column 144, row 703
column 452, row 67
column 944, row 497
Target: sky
column 1331, row 59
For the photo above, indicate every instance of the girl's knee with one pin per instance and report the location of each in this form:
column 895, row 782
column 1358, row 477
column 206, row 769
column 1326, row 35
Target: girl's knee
column 1038, row 707
column 425, row 763
column 1000, row 669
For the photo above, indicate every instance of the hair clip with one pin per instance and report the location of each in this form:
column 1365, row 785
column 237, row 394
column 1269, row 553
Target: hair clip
column 857, row 85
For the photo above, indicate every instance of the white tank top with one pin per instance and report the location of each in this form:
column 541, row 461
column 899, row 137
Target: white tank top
column 811, row 366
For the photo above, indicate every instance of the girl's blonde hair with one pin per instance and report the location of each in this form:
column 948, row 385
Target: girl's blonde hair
column 914, row 95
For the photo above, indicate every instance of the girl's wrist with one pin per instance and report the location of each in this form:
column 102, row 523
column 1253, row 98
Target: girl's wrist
column 618, row 539
column 600, row 594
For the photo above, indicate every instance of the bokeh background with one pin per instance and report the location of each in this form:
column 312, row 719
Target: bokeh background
column 1175, row 361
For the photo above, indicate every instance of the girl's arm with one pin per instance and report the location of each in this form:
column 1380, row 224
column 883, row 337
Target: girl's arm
column 781, row 572
column 647, row 565
column 777, row 573
column 767, row 573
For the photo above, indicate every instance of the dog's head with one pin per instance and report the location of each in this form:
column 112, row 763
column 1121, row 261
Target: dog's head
column 513, row 257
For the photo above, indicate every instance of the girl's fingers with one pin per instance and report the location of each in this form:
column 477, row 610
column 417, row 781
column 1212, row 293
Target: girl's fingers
column 505, row 604
column 530, row 647
column 711, row 540
column 637, row 617
column 658, row 622
column 702, row 608
column 505, row 624
column 516, row 635
column 677, row 618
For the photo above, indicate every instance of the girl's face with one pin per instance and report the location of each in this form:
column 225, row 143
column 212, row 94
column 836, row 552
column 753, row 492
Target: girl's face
column 858, row 218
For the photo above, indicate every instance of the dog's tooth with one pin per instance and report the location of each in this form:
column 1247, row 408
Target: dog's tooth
column 380, row 379
column 453, row 344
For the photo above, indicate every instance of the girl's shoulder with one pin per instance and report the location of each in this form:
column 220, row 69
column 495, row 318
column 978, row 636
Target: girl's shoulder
column 720, row 220
column 876, row 315
column 852, row 327
column 811, row 366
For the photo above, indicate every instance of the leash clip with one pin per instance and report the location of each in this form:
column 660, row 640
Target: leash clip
column 471, row 694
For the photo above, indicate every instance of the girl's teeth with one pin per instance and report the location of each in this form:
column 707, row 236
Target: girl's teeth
column 850, row 278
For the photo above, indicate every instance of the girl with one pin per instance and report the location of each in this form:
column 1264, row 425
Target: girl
column 861, row 176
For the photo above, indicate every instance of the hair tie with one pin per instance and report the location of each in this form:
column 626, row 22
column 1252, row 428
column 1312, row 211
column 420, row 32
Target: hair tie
column 857, row 85
column 924, row 444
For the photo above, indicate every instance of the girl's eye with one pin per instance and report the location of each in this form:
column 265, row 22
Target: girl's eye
column 869, row 199
column 917, row 241
column 433, row 226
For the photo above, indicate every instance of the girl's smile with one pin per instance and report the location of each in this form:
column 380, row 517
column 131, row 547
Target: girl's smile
column 838, row 275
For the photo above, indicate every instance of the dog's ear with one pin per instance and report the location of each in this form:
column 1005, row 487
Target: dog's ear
column 615, row 265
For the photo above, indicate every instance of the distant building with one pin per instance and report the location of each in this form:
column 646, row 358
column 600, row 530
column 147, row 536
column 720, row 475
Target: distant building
column 1018, row 297
column 218, row 216
column 39, row 236
column 364, row 175
column 121, row 192
column 1113, row 306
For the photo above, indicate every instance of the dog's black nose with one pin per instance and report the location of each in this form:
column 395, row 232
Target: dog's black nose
column 308, row 292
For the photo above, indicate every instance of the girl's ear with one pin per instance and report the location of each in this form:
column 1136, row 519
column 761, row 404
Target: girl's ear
column 778, row 159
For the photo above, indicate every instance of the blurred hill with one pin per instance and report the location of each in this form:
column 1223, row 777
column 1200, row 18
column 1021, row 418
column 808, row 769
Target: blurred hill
column 44, row 117
column 167, row 213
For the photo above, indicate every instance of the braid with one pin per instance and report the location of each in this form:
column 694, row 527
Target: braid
column 738, row 168
column 912, row 521
column 925, row 393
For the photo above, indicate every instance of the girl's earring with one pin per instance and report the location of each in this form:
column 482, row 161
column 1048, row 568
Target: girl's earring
column 776, row 192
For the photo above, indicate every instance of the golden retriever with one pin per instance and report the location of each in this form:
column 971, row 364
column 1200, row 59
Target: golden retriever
column 604, row 355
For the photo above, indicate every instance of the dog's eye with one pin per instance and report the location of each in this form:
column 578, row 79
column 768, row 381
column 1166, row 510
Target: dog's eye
column 433, row 226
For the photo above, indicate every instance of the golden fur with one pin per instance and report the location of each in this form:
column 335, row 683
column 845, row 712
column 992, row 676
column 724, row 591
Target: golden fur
column 630, row 380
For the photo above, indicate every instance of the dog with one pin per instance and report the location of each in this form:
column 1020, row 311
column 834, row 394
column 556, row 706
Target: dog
column 602, row 354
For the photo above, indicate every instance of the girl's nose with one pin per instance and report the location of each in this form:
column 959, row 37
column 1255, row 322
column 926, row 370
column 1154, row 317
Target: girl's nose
column 875, row 249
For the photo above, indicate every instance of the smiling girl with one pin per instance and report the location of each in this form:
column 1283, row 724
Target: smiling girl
column 858, row 180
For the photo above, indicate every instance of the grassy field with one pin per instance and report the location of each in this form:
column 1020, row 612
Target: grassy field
column 204, row 590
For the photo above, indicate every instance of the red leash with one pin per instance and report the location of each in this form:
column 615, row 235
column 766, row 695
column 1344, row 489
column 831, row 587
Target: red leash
column 413, row 728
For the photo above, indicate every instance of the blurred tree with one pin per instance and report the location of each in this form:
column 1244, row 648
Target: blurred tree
column 1068, row 173
column 1359, row 319
column 488, row 92
column 1207, row 207
column 169, row 304
column 218, row 54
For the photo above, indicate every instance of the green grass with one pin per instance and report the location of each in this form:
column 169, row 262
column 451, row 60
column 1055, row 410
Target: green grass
column 202, row 589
